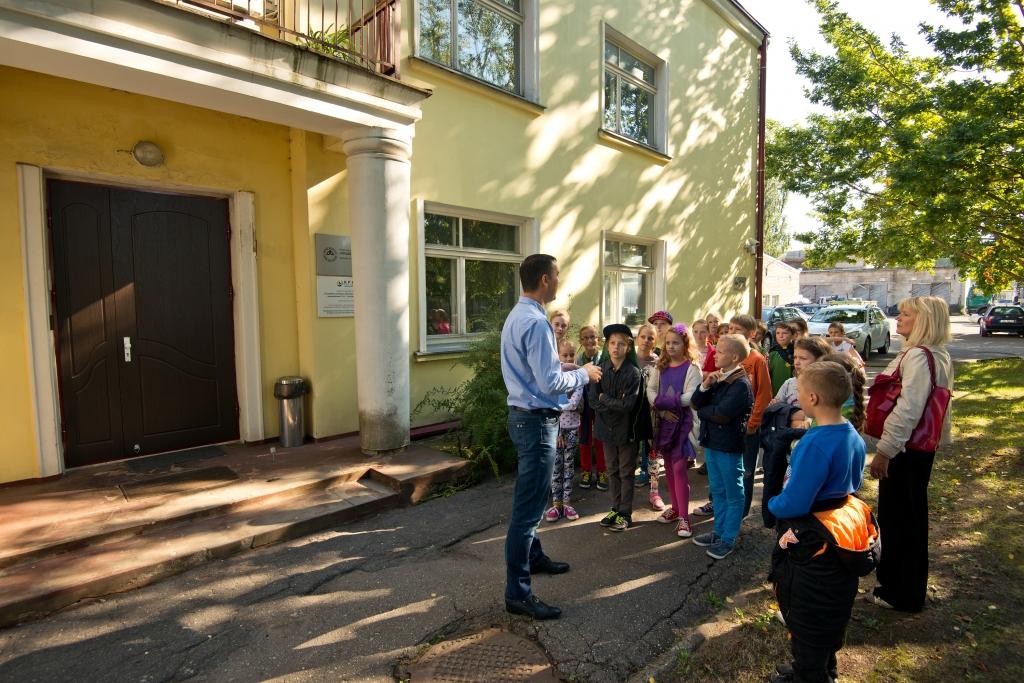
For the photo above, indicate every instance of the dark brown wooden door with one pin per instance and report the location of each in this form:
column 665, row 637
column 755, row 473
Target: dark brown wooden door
column 145, row 340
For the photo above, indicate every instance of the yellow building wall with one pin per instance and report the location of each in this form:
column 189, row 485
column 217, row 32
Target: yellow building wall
column 474, row 148
column 85, row 130
column 481, row 149
column 327, row 352
column 332, row 360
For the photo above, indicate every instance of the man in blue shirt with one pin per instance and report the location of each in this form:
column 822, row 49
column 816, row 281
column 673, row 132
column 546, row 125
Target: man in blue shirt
column 537, row 387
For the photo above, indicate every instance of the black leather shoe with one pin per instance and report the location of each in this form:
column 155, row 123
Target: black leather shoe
column 532, row 607
column 549, row 566
column 784, row 674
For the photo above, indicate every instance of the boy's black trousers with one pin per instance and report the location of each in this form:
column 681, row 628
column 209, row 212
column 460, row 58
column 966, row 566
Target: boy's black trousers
column 816, row 597
column 621, row 463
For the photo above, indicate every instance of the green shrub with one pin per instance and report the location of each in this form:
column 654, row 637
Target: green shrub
column 481, row 405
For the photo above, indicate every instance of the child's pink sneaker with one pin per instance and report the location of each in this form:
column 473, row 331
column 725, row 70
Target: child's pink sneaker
column 553, row 514
column 668, row 516
column 683, row 529
column 570, row 513
column 656, row 502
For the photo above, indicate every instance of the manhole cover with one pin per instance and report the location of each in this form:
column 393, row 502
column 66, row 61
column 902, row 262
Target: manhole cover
column 493, row 655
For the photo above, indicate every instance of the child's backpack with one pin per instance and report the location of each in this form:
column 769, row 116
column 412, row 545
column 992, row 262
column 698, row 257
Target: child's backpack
column 776, row 437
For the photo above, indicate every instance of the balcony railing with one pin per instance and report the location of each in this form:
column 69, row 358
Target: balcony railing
column 360, row 32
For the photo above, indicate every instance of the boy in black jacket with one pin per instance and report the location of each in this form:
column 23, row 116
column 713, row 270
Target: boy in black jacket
column 616, row 399
column 723, row 403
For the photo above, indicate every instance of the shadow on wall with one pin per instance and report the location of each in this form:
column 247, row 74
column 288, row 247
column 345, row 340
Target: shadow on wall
column 707, row 187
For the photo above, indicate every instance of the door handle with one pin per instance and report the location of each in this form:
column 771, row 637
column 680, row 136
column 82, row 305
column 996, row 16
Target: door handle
column 127, row 349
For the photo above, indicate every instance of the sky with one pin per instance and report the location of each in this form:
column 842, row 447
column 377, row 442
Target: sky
column 788, row 20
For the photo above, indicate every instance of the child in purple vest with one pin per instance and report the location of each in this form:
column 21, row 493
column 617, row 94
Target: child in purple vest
column 672, row 382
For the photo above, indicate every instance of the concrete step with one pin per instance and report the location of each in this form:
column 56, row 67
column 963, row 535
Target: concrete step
column 41, row 585
column 418, row 471
column 149, row 514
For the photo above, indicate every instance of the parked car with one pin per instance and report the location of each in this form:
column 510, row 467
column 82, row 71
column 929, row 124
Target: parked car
column 1001, row 318
column 779, row 314
column 865, row 324
column 807, row 309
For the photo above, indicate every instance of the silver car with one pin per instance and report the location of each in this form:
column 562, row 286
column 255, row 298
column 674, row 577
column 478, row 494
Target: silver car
column 865, row 324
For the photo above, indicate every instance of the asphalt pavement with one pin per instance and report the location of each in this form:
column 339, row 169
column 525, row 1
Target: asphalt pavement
column 348, row 604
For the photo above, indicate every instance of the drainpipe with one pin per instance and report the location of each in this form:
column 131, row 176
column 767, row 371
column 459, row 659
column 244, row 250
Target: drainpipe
column 762, row 56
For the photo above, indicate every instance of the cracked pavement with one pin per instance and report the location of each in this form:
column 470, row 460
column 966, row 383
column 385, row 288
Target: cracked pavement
column 351, row 603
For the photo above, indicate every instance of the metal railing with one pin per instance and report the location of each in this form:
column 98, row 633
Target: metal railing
column 360, row 32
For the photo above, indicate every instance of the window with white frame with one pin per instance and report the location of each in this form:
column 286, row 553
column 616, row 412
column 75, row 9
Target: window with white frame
column 630, row 272
column 490, row 40
column 470, row 273
column 634, row 96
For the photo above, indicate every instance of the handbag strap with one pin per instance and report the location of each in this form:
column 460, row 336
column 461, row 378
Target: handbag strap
column 927, row 354
column 931, row 362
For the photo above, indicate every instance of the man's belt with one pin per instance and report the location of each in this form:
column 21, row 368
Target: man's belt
column 543, row 412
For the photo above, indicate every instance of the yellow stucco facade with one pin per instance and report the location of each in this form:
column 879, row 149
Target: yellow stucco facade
column 552, row 165
column 474, row 148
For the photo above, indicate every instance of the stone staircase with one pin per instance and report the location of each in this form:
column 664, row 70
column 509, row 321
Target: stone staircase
column 103, row 543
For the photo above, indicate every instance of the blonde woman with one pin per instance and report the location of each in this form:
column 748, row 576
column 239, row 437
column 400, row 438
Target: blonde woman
column 904, row 474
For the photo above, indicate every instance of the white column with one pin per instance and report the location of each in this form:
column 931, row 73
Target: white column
column 379, row 197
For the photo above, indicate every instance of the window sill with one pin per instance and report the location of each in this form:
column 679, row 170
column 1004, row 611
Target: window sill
column 623, row 143
column 450, row 353
column 450, row 75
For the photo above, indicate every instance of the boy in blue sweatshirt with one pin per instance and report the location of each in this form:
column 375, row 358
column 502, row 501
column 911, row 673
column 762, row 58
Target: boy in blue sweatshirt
column 825, row 535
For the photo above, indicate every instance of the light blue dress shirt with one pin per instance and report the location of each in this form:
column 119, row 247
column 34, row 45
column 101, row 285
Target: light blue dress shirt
column 529, row 360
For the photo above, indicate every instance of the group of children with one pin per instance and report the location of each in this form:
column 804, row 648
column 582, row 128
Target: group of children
column 639, row 412
column 677, row 388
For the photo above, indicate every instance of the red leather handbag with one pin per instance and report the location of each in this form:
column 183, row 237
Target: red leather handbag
column 882, row 397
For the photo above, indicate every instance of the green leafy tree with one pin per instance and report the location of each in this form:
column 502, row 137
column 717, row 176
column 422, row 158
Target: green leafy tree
column 921, row 157
column 776, row 229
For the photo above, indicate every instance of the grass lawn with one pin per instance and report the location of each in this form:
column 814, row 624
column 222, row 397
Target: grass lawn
column 972, row 628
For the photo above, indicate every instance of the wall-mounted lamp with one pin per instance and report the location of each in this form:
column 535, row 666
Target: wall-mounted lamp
column 751, row 246
column 147, row 153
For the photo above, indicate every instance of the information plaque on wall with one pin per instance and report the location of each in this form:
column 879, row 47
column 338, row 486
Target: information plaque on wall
column 335, row 293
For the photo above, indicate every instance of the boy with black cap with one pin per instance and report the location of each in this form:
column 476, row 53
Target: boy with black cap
column 617, row 407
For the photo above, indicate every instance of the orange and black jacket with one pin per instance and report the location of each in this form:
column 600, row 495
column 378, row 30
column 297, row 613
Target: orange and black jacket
column 844, row 527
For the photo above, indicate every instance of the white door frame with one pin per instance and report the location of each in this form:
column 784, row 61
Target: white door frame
column 38, row 278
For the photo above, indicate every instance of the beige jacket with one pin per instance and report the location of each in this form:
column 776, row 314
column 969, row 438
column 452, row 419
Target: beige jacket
column 916, row 380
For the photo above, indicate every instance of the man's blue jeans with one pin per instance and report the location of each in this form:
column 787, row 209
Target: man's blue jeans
column 535, row 436
column 725, row 479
